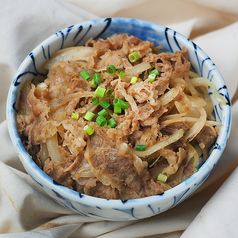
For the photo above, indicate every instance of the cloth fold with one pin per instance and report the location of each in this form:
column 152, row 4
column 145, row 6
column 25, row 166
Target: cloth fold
column 224, row 208
column 26, row 211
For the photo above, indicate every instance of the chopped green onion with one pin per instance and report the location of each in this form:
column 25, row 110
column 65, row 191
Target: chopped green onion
column 119, row 70
column 108, row 93
column 133, row 57
column 75, row 115
column 88, row 129
column 95, row 101
column 101, row 121
column 105, row 104
column 100, row 91
column 120, row 103
column 152, row 77
column 103, row 113
column 117, row 110
column 140, row 147
column 162, row 177
column 112, row 122
column 85, row 75
column 93, row 85
column 97, row 78
column 154, row 71
column 121, row 74
column 133, row 80
column 89, row 116
column 111, row 69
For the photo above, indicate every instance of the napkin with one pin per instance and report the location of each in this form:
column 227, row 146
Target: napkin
column 26, row 211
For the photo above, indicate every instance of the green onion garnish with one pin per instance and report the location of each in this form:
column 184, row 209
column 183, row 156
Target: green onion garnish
column 140, row 147
column 162, row 177
column 133, row 57
column 111, row 69
column 89, row 116
column 101, row 121
column 97, row 78
column 108, row 93
column 119, row 70
column 120, row 103
column 133, row 80
column 117, row 110
column 112, row 122
column 95, row 101
column 121, row 74
column 93, row 85
column 103, row 113
column 105, row 104
column 88, row 129
column 85, row 75
column 152, row 77
column 100, row 91
column 154, row 71
column 75, row 115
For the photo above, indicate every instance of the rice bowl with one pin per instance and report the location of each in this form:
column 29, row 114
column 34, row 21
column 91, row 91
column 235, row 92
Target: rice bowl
column 76, row 35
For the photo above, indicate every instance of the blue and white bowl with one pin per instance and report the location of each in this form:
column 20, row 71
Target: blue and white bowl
column 78, row 35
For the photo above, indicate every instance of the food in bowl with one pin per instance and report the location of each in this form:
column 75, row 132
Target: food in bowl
column 118, row 118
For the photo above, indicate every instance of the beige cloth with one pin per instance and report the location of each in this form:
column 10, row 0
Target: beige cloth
column 25, row 211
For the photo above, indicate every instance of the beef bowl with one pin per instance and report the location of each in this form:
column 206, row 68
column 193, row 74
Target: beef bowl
column 118, row 118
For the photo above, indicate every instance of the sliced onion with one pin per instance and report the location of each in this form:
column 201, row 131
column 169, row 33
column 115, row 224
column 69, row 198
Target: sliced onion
column 200, row 81
column 43, row 152
column 169, row 96
column 78, row 53
column 160, row 145
column 53, row 149
column 136, row 71
column 194, row 119
column 167, row 122
column 64, row 100
column 191, row 88
column 197, row 102
column 172, row 117
column 197, row 127
column 192, row 153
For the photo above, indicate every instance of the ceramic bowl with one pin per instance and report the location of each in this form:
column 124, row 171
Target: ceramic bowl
column 76, row 35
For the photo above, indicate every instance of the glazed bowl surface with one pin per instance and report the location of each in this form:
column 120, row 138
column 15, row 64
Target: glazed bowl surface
column 78, row 34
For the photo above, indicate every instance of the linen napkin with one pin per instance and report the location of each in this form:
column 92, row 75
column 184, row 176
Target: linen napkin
column 26, row 211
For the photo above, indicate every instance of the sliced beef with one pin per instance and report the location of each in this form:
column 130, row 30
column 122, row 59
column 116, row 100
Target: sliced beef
column 102, row 191
column 57, row 171
column 206, row 138
column 116, row 167
column 105, row 164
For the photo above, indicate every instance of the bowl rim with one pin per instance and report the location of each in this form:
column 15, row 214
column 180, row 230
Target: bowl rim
column 108, row 203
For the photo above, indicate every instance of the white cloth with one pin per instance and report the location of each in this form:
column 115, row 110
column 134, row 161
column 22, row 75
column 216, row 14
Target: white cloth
column 25, row 211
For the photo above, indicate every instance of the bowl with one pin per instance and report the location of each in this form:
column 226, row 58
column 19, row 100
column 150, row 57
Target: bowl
column 75, row 35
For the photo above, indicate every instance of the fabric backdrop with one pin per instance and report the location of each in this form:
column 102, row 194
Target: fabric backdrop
column 25, row 211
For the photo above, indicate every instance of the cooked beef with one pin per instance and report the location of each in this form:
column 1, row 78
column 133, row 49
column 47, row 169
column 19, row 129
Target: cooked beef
column 57, row 171
column 105, row 164
column 102, row 191
column 174, row 160
column 174, row 126
column 206, row 138
column 114, row 164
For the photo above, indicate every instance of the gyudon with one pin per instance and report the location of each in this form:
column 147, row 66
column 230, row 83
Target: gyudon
column 118, row 119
